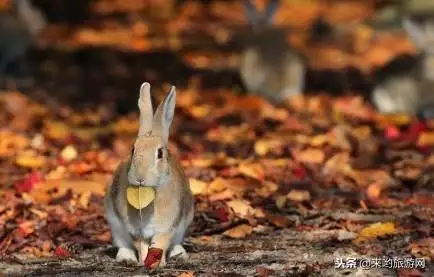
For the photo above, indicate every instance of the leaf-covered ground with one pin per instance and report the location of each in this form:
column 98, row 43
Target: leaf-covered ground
column 280, row 190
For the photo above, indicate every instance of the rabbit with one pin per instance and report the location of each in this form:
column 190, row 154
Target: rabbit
column 163, row 223
column 19, row 28
column 269, row 66
column 410, row 91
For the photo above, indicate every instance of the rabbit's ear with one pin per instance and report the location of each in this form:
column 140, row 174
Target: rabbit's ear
column 270, row 10
column 164, row 115
column 416, row 32
column 145, row 107
column 251, row 12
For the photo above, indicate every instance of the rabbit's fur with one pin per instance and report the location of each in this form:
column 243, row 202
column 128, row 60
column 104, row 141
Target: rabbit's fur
column 269, row 66
column 164, row 222
column 19, row 28
column 411, row 91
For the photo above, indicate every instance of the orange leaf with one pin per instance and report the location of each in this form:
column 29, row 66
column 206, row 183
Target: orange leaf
column 239, row 232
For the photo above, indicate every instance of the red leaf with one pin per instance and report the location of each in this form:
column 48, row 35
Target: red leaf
column 153, row 258
column 299, row 172
column 222, row 214
column 29, row 182
column 61, row 252
column 392, row 132
column 416, row 128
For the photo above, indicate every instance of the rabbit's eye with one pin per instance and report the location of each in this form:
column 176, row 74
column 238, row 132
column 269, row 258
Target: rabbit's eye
column 132, row 151
column 160, row 153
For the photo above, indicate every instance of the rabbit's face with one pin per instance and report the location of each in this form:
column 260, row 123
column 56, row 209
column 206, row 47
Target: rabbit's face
column 149, row 162
column 149, row 159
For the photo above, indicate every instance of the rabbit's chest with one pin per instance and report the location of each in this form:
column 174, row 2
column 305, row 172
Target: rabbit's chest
column 140, row 222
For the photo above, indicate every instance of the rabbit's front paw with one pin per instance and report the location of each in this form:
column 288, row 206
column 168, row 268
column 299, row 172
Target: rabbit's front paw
column 126, row 255
column 178, row 251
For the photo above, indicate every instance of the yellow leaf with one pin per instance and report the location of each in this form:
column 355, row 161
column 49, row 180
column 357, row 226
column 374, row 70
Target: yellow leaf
column 197, row 186
column 426, row 139
column 254, row 170
column 376, row 230
column 239, row 232
column 311, row 155
column 298, row 195
column 30, row 161
column 140, row 197
column 280, row 201
column 217, row 185
column 57, row 130
column 241, row 208
column 69, row 153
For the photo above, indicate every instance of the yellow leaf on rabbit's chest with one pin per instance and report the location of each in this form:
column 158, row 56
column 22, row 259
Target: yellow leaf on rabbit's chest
column 140, row 197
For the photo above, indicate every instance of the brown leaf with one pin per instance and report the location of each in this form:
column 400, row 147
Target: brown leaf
column 254, row 170
column 186, row 274
column 298, row 195
column 423, row 248
column 311, row 155
column 241, row 208
column 239, row 232
column 279, row 221
column 263, row 271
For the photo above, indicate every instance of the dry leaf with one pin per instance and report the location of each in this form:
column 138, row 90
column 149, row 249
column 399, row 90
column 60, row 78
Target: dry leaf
column 30, row 160
column 298, row 195
column 311, row 155
column 254, row 170
column 69, row 153
column 376, row 230
column 197, row 187
column 239, row 232
column 241, row 208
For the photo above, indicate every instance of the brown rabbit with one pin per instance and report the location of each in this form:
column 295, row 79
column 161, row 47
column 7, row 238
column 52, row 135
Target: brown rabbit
column 163, row 223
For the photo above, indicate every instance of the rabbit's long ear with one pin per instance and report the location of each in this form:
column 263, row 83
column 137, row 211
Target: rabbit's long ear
column 251, row 12
column 270, row 10
column 164, row 115
column 416, row 32
column 145, row 107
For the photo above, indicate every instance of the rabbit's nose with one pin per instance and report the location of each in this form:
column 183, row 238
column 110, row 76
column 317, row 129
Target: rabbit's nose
column 140, row 180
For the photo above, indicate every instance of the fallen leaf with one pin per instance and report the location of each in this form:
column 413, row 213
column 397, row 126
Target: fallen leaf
column 186, row 274
column 254, row 170
column 280, row 201
column 69, row 153
column 263, row 271
column 376, row 230
column 62, row 252
column 311, row 155
column 423, row 248
column 28, row 183
column 30, row 160
column 217, row 185
column 153, row 258
column 426, row 139
column 298, row 195
column 279, row 221
column 240, row 207
column 239, row 232
column 197, row 187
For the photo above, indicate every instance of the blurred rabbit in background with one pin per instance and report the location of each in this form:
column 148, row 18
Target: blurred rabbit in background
column 411, row 91
column 20, row 26
column 269, row 66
